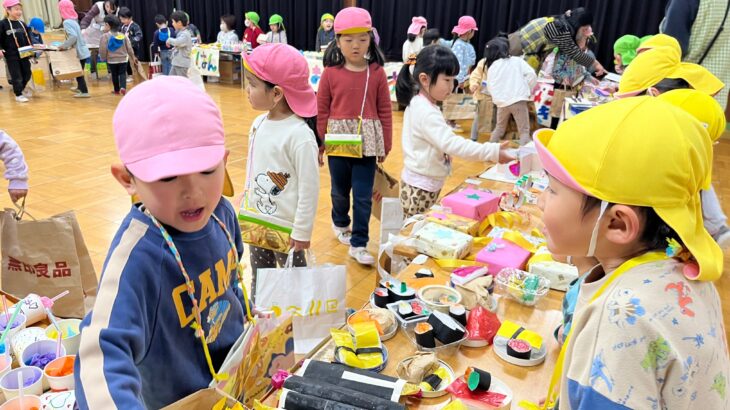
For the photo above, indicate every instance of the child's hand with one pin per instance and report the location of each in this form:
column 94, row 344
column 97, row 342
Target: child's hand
column 381, row 159
column 17, row 194
column 167, row 43
column 320, row 158
column 504, row 155
column 298, row 245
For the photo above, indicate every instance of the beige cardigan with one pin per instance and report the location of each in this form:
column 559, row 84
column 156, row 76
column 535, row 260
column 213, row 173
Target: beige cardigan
column 477, row 76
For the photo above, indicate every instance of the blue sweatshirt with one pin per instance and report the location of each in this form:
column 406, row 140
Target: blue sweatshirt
column 138, row 349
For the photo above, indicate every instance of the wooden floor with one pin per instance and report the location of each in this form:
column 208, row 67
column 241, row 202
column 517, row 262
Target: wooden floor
column 69, row 147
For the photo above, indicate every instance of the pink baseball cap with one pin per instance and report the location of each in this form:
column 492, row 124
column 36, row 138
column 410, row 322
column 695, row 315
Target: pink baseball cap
column 10, row 3
column 466, row 23
column 283, row 65
column 167, row 127
column 417, row 23
column 353, row 20
column 67, row 10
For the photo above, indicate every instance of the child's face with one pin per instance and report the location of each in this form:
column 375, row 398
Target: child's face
column 440, row 89
column 274, row 28
column 125, row 20
column 184, row 202
column 567, row 230
column 327, row 24
column 15, row 12
column 107, row 27
column 354, row 46
column 177, row 24
column 109, row 7
column 261, row 97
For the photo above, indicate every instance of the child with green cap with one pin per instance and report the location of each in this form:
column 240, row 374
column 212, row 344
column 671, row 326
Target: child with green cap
column 252, row 32
column 278, row 32
column 325, row 34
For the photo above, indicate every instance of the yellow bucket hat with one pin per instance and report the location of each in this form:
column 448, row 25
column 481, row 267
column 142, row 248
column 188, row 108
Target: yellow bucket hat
column 660, row 40
column 647, row 153
column 656, row 64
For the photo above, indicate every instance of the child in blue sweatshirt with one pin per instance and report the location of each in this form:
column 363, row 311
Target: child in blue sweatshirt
column 142, row 344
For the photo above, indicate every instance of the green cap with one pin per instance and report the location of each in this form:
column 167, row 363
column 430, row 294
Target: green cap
column 253, row 16
column 277, row 19
column 327, row 16
column 626, row 47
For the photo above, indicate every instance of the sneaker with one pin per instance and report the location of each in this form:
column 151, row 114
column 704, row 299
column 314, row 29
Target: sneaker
column 21, row 99
column 115, row 92
column 74, row 89
column 82, row 95
column 722, row 237
column 362, row 256
column 27, row 93
column 343, row 234
column 123, row 91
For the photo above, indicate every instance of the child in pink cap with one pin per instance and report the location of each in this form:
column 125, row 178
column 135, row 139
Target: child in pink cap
column 282, row 181
column 169, row 304
column 465, row 53
column 414, row 42
column 16, row 48
column 353, row 98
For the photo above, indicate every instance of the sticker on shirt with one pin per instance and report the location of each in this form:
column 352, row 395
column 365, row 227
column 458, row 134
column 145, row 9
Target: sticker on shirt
column 269, row 185
column 216, row 317
column 624, row 308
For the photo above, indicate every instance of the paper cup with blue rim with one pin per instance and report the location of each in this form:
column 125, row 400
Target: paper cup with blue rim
column 71, row 337
column 32, row 382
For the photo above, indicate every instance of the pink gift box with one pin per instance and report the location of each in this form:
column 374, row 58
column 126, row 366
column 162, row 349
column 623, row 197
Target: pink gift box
column 500, row 254
column 472, row 203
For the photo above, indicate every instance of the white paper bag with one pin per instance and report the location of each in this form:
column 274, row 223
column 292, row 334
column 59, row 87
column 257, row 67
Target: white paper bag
column 314, row 296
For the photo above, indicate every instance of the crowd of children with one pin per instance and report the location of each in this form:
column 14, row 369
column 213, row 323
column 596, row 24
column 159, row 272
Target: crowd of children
column 641, row 230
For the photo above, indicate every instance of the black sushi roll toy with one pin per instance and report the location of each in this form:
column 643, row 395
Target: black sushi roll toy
column 519, row 349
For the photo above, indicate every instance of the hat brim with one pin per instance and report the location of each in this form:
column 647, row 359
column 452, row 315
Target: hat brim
column 463, row 30
column 698, row 78
column 415, row 28
column 175, row 163
column 303, row 102
column 550, row 164
column 687, row 223
column 355, row 30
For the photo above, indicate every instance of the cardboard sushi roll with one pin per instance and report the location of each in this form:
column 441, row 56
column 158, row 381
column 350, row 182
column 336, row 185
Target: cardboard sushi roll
column 339, row 394
column 384, row 387
column 292, row 400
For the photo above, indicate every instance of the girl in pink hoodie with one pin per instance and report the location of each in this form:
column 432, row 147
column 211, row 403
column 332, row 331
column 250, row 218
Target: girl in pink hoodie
column 16, row 169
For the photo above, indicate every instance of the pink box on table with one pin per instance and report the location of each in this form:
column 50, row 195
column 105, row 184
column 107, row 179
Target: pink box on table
column 472, row 203
column 500, row 254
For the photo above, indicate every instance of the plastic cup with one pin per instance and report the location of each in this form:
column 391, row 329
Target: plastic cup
column 60, row 373
column 25, row 337
column 20, row 322
column 29, row 403
column 33, row 309
column 71, row 335
column 33, row 382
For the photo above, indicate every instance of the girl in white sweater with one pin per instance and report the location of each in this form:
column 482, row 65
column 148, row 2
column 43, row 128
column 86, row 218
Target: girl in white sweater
column 428, row 141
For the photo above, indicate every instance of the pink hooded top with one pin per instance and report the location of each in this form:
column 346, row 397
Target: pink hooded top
column 16, row 169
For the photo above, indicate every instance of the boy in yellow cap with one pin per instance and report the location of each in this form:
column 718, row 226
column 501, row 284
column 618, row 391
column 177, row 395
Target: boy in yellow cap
column 648, row 330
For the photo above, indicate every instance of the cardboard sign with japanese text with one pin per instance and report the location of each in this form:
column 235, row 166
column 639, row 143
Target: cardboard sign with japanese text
column 314, row 296
column 205, row 59
column 47, row 257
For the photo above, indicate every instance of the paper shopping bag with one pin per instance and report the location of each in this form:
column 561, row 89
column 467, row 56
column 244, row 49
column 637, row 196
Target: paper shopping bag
column 65, row 64
column 487, row 115
column 139, row 72
column 206, row 399
column 314, row 296
column 47, row 257
column 459, row 107
column 385, row 186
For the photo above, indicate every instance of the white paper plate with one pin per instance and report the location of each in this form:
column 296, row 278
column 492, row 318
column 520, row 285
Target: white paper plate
column 444, row 384
column 537, row 356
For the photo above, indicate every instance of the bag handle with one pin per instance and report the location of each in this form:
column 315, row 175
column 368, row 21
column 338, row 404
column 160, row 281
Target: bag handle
column 311, row 261
column 364, row 98
column 21, row 211
column 251, row 143
column 717, row 34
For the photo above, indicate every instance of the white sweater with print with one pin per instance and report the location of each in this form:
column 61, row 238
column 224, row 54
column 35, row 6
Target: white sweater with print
column 651, row 340
column 283, row 172
column 428, row 141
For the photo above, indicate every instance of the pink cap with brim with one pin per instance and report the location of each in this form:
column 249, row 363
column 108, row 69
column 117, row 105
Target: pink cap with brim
column 353, row 20
column 466, row 23
column 417, row 23
column 285, row 66
column 550, row 164
column 10, row 3
column 168, row 127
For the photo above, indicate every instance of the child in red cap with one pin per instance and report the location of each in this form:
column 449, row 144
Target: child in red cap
column 170, row 305
column 353, row 98
column 282, row 182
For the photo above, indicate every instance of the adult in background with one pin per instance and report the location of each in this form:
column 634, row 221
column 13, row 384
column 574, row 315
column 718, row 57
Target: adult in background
column 698, row 26
column 540, row 36
column 92, row 25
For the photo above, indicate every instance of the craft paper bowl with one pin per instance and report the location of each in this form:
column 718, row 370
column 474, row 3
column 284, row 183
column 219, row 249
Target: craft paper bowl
column 388, row 333
column 429, row 295
column 70, row 343
column 21, row 319
column 60, row 383
column 29, row 402
column 9, row 382
column 39, row 347
column 25, row 337
column 444, row 384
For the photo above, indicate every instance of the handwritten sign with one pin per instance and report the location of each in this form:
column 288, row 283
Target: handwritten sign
column 206, row 61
